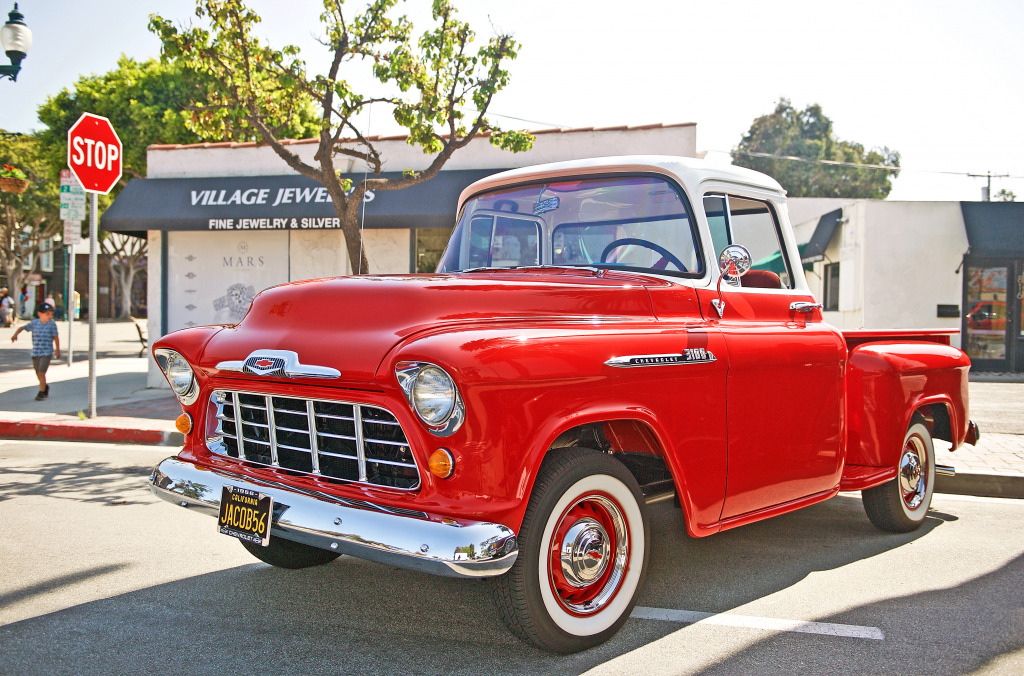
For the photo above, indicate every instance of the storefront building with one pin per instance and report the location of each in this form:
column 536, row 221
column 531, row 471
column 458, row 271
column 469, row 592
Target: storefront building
column 993, row 325
column 887, row 265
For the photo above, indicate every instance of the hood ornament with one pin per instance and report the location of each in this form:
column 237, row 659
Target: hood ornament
column 278, row 364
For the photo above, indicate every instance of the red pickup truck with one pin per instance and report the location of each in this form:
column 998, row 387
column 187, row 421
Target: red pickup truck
column 599, row 335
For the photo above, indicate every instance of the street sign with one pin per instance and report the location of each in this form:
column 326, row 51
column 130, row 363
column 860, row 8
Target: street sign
column 72, row 198
column 94, row 153
column 72, row 233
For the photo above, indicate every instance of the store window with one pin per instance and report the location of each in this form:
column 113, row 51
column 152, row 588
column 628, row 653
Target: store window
column 429, row 244
column 831, row 290
column 46, row 256
column 986, row 312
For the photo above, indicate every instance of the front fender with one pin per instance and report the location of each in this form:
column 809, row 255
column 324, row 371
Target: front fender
column 523, row 386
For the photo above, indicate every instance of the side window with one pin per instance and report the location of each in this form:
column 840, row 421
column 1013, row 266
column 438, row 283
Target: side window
column 503, row 242
column 718, row 221
column 750, row 223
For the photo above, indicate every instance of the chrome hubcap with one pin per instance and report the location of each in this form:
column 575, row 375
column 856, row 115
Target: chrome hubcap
column 913, row 477
column 588, row 555
column 585, row 553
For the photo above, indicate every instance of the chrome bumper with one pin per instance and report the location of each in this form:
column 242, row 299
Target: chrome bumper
column 396, row 537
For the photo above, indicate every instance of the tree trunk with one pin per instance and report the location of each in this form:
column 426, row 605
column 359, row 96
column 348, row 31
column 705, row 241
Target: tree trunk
column 127, row 281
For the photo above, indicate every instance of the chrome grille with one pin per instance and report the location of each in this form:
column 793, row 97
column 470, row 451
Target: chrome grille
column 334, row 439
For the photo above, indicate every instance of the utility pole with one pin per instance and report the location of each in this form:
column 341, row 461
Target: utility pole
column 986, row 191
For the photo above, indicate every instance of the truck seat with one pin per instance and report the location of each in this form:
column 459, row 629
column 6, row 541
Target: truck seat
column 761, row 279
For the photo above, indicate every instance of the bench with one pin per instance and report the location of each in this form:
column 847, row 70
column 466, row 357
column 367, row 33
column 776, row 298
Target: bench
column 140, row 326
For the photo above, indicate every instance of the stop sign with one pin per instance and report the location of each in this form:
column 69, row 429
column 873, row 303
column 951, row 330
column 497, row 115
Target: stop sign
column 94, row 153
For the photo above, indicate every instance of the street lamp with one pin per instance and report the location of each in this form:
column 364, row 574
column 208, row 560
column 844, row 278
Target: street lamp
column 16, row 38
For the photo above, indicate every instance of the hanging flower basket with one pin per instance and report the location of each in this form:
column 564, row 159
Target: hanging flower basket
column 17, row 185
column 13, row 179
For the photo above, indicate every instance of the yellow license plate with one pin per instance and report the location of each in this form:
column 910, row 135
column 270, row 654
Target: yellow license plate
column 245, row 514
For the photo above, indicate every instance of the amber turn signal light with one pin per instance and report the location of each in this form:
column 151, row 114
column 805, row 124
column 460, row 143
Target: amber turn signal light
column 184, row 423
column 441, row 463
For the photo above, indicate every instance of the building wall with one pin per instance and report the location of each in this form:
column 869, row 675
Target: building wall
column 913, row 251
column 898, row 261
column 248, row 159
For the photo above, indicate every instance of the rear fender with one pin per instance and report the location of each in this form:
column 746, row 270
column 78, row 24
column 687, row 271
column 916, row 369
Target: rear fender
column 888, row 382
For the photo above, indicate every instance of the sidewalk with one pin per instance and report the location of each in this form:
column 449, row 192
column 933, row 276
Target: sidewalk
column 128, row 412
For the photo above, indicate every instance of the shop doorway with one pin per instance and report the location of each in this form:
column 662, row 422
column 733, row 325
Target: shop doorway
column 993, row 333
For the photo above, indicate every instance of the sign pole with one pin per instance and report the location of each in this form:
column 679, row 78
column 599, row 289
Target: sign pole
column 93, row 228
column 70, row 303
column 94, row 157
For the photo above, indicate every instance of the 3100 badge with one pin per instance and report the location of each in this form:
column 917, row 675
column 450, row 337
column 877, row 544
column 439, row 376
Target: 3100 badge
column 245, row 515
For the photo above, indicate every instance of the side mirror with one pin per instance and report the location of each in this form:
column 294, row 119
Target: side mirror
column 734, row 261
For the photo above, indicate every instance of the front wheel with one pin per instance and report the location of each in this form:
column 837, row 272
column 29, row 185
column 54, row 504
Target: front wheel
column 900, row 505
column 583, row 554
column 288, row 554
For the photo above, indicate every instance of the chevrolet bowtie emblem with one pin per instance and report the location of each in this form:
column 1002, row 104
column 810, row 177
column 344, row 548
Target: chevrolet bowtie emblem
column 278, row 364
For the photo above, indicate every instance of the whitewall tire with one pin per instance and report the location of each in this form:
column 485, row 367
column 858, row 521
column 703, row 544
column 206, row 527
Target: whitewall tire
column 901, row 505
column 584, row 547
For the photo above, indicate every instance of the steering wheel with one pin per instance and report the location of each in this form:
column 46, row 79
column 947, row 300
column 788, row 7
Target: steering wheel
column 666, row 255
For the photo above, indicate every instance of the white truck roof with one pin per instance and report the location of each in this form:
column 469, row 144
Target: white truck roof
column 690, row 172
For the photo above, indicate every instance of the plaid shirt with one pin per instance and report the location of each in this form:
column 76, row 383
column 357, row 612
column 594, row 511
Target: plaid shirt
column 42, row 336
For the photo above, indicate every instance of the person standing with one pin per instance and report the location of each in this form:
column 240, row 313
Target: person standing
column 6, row 308
column 45, row 344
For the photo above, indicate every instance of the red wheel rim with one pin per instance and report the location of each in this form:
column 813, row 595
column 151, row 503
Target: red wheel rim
column 913, row 472
column 588, row 554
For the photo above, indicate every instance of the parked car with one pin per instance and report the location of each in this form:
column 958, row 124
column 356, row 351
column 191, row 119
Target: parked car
column 597, row 337
column 988, row 315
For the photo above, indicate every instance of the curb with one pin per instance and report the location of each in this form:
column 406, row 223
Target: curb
column 90, row 431
column 982, row 485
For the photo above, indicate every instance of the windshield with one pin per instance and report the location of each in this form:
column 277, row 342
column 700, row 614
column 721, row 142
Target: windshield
column 632, row 222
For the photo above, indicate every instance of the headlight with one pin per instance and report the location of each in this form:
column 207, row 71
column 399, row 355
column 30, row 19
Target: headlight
column 432, row 394
column 179, row 374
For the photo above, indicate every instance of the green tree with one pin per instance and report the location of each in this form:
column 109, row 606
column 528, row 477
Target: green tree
column 437, row 87
column 800, row 150
column 147, row 102
column 1005, row 195
column 29, row 220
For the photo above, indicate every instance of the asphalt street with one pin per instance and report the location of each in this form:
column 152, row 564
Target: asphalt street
column 102, row 577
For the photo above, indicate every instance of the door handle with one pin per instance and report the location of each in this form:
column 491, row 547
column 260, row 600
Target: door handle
column 804, row 306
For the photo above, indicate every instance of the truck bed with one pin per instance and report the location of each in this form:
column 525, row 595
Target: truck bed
column 861, row 336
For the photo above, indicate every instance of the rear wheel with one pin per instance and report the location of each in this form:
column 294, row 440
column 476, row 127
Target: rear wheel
column 900, row 505
column 287, row 554
column 583, row 554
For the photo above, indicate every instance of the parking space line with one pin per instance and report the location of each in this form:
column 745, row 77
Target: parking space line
column 752, row 622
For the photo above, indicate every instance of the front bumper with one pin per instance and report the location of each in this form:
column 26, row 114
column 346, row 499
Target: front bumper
column 397, row 537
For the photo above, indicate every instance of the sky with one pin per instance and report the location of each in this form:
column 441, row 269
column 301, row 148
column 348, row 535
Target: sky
column 940, row 82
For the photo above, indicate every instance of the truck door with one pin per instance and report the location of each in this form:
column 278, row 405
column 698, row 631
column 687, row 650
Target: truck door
column 785, row 395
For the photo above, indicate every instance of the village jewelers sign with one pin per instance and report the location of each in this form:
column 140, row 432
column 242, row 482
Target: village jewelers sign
column 262, row 196
column 292, row 202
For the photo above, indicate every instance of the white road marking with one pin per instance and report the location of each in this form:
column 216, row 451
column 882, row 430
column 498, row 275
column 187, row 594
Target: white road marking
column 951, row 497
column 752, row 622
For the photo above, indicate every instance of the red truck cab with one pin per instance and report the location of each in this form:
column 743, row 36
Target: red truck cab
column 599, row 335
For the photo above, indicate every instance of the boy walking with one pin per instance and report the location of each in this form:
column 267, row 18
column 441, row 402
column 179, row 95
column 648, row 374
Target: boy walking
column 45, row 342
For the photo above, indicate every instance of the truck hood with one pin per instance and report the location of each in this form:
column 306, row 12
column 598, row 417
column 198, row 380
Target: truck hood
column 350, row 323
